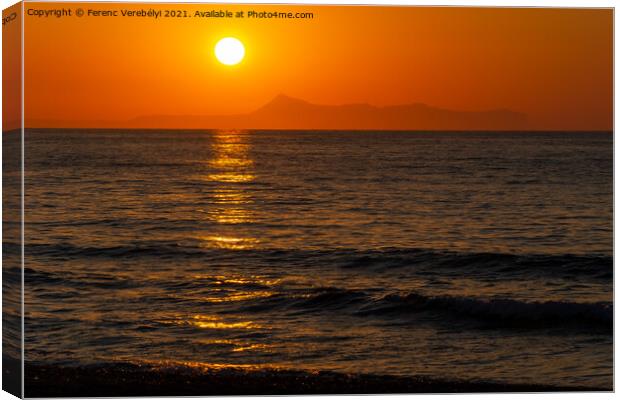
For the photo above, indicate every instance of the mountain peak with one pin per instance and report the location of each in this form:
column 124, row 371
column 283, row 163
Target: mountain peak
column 283, row 103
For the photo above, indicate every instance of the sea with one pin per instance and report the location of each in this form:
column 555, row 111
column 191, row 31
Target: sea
column 479, row 256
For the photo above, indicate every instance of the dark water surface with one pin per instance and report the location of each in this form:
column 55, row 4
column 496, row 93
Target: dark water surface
column 483, row 256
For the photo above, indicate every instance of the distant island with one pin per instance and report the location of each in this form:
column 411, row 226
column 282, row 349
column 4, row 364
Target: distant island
column 284, row 112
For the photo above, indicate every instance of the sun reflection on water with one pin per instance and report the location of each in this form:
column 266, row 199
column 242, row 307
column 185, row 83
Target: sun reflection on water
column 231, row 177
column 237, row 280
column 210, row 322
column 202, row 366
column 239, row 296
column 231, row 166
column 215, row 322
column 229, row 242
column 231, row 158
column 231, row 196
column 231, row 215
column 236, row 346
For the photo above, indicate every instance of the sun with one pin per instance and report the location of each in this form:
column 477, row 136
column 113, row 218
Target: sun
column 229, row 51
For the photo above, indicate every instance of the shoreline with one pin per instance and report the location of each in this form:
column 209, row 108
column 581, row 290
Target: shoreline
column 167, row 379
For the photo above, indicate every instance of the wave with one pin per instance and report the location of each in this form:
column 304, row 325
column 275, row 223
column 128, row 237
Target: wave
column 431, row 262
column 421, row 261
column 65, row 250
column 369, row 302
column 503, row 312
column 492, row 312
column 41, row 279
column 373, row 303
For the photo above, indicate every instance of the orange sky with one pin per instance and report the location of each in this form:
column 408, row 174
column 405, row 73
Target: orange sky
column 555, row 65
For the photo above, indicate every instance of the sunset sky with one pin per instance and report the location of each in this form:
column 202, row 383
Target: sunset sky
column 555, row 65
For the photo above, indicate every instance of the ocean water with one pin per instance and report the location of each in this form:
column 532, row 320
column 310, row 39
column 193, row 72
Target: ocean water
column 478, row 256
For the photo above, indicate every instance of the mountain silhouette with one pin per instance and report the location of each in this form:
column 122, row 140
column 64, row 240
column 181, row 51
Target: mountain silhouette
column 284, row 112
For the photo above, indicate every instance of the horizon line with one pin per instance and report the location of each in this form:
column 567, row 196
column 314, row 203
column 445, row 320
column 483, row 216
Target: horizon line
column 318, row 130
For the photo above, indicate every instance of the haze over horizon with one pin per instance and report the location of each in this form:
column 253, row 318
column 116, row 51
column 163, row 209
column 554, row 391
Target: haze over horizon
column 285, row 112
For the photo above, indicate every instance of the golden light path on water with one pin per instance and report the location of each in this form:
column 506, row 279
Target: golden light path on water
column 233, row 165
